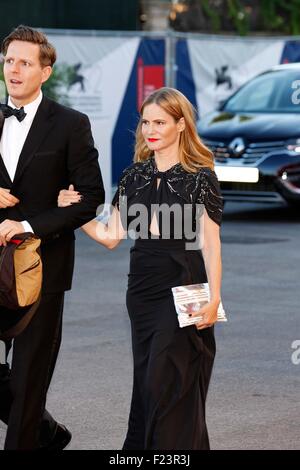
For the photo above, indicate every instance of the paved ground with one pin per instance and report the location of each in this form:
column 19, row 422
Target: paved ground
column 254, row 395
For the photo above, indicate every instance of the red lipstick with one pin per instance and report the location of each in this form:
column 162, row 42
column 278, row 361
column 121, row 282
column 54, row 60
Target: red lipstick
column 152, row 140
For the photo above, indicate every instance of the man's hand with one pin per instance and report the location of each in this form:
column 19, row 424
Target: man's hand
column 8, row 229
column 7, row 199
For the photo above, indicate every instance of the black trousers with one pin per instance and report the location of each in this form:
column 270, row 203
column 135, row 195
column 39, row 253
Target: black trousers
column 23, row 392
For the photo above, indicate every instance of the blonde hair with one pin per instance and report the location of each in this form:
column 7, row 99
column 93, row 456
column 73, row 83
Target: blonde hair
column 193, row 154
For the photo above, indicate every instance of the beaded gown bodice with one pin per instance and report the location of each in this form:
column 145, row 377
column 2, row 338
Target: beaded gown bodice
column 143, row 184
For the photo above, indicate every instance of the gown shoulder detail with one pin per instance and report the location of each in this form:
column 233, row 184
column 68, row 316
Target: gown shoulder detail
column 127, row 181
column 209, row 194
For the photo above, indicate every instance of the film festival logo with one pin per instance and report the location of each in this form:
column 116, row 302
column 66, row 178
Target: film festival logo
column 222, row 76
column 77, row 78
column 175, row 222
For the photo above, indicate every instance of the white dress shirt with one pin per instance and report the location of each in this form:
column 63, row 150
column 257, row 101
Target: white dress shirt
column 14, row 134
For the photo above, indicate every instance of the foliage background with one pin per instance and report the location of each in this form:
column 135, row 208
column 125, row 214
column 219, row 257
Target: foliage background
column 237, row 16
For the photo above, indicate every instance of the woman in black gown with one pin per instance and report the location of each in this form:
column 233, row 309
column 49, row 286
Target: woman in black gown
column 172, row 365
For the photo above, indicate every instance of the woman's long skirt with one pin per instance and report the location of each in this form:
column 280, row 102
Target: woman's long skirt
column 172, row 365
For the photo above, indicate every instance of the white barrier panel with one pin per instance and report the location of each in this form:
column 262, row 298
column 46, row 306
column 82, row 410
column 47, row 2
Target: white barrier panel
column 103, row 66
column 221, row 66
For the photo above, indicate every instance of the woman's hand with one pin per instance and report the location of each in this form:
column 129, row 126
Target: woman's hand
column 67, row 197
column 209, row 313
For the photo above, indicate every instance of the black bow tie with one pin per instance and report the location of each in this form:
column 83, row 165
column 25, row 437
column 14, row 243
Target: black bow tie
column 9, row 111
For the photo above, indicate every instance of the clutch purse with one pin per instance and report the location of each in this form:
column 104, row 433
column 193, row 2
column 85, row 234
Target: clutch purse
column 191, row 298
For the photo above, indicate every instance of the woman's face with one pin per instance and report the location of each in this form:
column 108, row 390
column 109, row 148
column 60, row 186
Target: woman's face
column 159, row 129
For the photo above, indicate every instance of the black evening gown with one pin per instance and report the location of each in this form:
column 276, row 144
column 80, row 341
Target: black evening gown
column 172, row 365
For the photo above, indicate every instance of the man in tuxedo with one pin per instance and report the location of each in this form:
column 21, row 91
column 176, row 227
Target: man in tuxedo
column 44, row 147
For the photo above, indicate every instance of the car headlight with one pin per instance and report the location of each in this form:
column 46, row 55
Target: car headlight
column 293, row 145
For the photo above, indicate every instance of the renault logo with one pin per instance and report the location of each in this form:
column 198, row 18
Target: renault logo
column 237, row 147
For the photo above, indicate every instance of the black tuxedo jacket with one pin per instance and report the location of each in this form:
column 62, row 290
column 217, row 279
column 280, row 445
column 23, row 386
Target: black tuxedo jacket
column 59, row 150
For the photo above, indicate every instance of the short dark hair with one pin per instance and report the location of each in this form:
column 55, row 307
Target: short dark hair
column 25, row 33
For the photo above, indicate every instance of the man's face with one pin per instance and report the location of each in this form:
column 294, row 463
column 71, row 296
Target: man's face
column 23, row 73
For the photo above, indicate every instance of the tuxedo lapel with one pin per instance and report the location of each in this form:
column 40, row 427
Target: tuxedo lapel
column 5, row 174
column 41, row 125
column 3, row 169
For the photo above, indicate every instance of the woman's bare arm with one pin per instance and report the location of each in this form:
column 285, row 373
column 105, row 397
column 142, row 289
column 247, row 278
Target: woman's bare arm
column 109, row 234
column 211, row 251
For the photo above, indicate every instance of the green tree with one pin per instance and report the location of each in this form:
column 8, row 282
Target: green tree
column 281, row 16
column 237, row 16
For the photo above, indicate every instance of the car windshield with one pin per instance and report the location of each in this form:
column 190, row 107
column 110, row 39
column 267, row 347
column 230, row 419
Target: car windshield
column 272, row 92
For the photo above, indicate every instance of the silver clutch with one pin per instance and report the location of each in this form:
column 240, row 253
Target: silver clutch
column 191, row 298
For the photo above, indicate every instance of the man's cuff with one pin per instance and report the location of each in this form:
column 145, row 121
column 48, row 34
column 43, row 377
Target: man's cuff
column 26, row 226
